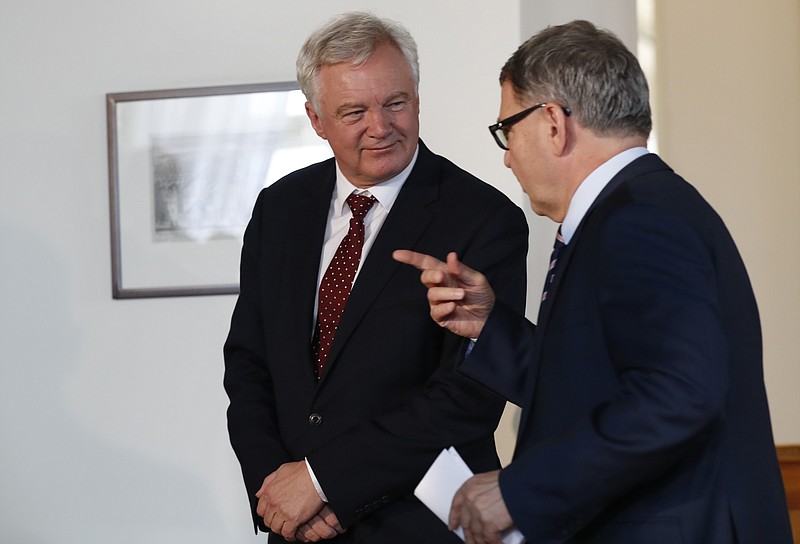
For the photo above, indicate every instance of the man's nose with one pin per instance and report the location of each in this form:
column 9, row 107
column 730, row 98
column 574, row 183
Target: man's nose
column 378, row 123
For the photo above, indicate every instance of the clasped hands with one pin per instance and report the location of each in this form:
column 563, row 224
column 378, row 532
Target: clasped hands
column 291, row 507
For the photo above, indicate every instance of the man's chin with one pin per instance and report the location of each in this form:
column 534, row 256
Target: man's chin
column 537, row 208
column 384, row 170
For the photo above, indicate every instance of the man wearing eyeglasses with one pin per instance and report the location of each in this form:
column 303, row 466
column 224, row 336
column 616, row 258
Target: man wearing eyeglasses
column 644, row 414
column 335, row 414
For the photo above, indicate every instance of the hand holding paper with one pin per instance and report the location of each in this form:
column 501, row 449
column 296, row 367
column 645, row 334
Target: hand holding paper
column 440, row 484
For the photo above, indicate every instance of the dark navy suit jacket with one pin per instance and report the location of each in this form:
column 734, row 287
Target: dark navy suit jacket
column 644, row 415
column 390, row 399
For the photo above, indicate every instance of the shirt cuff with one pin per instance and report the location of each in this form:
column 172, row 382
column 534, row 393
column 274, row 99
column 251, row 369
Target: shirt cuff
column 315, row 482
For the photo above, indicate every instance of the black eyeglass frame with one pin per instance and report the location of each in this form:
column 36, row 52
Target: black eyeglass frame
column 504, row 125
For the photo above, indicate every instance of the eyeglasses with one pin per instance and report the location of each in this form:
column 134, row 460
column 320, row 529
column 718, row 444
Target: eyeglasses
column 500, row 129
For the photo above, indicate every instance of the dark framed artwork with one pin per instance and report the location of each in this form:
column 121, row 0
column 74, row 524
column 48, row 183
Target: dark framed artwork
column 185, row 167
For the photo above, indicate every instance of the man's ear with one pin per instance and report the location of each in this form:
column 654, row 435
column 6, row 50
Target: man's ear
column 315, row 121
column 558, row 125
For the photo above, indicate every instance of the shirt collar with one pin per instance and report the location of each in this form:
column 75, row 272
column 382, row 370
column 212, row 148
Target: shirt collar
column 384, row 192
column 590, row 187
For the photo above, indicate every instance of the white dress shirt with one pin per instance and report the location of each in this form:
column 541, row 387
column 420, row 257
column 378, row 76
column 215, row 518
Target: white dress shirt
column 591, row 187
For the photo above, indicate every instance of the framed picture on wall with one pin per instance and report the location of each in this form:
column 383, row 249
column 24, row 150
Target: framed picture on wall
column 185, row 168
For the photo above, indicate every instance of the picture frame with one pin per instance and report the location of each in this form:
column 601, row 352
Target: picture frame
column 185, row 168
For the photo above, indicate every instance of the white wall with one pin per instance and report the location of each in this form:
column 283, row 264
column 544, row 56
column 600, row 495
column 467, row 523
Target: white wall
column 112, row 414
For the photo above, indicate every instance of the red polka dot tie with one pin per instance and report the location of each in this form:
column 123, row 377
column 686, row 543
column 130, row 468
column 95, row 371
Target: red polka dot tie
column 338, row 279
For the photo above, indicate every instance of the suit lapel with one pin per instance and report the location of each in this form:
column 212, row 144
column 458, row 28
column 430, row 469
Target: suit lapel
column 552, row 291
column 407, row 221
column 308, row 213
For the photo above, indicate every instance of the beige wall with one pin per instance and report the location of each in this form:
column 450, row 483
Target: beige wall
column 728, row 119
column 726, row 92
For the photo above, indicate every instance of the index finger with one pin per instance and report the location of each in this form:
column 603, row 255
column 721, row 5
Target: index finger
column 318, row 528
column 421, row 261
column 330, row 518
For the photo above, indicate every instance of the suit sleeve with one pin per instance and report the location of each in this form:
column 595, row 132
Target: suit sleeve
column 658, row 305
column 509, row 339
column 252, row 423
column 384, row 458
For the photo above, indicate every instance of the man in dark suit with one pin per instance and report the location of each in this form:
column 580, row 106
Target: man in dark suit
column 333, row 436
column 644, row 415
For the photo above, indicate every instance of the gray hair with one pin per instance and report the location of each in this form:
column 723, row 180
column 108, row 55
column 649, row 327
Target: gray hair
column 588, row 70
column 351, row 37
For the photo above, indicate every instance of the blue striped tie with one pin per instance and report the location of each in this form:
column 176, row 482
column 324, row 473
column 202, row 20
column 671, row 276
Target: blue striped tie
column 551, row 272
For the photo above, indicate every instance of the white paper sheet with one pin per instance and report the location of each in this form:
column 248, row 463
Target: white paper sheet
column 437, row 488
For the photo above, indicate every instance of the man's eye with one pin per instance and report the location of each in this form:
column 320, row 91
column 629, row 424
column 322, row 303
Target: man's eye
column 352, row 116
column 397, row 106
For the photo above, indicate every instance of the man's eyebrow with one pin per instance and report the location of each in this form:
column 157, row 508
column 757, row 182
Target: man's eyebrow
column 360, row 106
column 399, row 94
column 349, row 106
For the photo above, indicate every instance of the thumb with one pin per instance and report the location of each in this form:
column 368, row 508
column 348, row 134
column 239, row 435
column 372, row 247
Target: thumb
column 455, row 511
column 454, row 266
column 465, row 275
column 267, row 482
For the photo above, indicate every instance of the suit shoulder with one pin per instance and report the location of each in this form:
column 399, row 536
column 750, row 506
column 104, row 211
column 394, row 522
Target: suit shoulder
column 462, row 185
column 662, row 195
column 649, row 181
column 670, row 191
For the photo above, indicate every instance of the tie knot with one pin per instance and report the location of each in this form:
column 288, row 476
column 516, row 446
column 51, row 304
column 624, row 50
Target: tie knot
column 360, row 204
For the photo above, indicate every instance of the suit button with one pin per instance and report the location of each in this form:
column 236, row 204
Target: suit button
column 315, row 419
